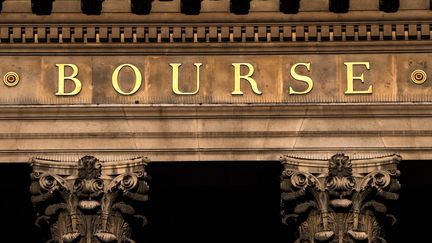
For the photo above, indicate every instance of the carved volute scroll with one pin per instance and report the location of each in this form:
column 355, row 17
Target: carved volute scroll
column 340, row 200
column 89, row 201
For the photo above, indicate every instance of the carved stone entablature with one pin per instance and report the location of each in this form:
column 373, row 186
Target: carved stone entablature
column 339, row 200
column 90, row 200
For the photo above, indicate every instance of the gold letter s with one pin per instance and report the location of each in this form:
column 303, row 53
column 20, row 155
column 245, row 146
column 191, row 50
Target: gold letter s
column 303, row 78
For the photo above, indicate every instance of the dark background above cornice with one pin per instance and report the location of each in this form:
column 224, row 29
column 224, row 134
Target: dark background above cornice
column 194, row 7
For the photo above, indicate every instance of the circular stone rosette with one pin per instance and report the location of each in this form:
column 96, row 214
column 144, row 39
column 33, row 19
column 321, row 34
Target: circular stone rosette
column 418, row 76
column 11, row 79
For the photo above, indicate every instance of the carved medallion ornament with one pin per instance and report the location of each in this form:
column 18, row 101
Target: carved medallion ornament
column 89, row 201
column 339, row 200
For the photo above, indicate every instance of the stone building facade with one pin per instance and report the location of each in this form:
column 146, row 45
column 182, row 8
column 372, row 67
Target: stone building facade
column 330, row 97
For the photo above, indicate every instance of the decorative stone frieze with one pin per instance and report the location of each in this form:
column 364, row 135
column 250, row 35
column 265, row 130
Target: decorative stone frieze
column 90, row 200
column 339, row 200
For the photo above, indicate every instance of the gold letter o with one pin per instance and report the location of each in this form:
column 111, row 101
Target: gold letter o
column 138, row 79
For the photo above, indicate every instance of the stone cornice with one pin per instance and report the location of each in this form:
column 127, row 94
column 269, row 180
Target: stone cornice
column 208, row 111
column 214, row 32
column 166, row 49
column 242, row 32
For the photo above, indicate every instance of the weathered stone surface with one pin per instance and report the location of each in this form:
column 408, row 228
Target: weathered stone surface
column 214, row 125
column 215, row 133
column 389, row 77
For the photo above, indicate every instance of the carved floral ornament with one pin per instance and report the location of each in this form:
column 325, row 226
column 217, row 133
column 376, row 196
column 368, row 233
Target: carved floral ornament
column 91, row 200
column 339, row 200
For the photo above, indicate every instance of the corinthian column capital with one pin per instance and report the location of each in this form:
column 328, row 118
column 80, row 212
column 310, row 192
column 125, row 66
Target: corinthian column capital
column 339, row 199
column 89, row 200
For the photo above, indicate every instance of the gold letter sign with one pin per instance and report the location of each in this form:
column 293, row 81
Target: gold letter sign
column 351, row 78
column 303, row 78
column 62, row 78
column 238, row 77
column 175, row 79
column 138, row 79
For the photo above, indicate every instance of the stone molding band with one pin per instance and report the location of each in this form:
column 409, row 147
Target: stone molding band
column 214, row 33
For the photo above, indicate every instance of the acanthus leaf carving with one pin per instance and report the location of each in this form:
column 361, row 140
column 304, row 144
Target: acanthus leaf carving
column 86, row 201
column 343, row 201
